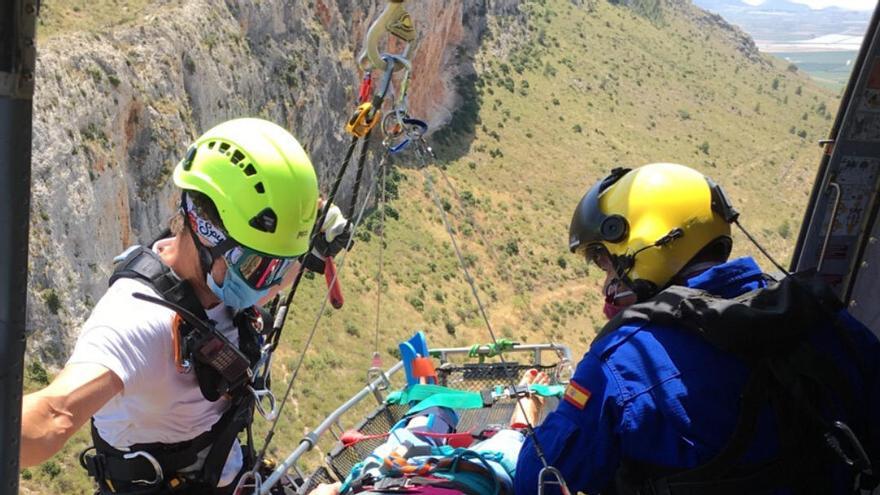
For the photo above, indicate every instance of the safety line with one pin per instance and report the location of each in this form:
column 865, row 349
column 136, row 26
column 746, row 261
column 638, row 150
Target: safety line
column 430, row 186
column 383, row 168
column 281, row 313
column 507, row 272
column 761, row 248
column 340, row 267
column 471, row 218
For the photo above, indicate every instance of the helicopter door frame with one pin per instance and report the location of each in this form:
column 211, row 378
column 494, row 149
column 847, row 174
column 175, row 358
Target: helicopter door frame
column 18, row 20
column 845, row 252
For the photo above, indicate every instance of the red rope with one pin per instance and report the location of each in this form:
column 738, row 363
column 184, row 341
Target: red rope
column 366, row 90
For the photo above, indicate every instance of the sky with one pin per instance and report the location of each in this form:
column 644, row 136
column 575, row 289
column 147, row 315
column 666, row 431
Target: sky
column 821, row 4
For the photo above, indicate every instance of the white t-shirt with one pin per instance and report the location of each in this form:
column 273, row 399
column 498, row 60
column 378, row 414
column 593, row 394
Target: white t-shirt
column 132, row 338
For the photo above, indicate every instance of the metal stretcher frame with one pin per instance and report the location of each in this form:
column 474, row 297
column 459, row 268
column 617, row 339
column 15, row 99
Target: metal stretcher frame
column 376, row 386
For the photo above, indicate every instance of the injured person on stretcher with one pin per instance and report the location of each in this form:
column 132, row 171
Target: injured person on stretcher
column 421, row 454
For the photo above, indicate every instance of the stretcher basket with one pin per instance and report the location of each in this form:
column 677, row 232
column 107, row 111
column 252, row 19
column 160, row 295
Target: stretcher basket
column 553, row 359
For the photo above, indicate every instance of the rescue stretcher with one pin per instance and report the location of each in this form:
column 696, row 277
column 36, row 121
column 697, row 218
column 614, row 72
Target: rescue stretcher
column 554, row 359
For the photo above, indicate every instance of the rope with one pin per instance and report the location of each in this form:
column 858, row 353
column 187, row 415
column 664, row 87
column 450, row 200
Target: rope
column 281, row 315
column 312, row 331
column 430, row 186
column 761, row 248
column 471, row 218
column 383, row 169
column 506, row 273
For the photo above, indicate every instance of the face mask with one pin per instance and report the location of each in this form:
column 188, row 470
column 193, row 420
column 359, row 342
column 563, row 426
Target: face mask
column 235, row 292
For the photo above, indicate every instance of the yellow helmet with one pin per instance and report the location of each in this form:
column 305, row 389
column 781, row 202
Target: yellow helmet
column 651, row 222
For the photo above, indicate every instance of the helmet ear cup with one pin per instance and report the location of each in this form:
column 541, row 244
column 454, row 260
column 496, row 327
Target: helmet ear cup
column 614, row 228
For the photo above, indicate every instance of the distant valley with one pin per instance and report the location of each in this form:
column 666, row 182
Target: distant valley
column 824, row 43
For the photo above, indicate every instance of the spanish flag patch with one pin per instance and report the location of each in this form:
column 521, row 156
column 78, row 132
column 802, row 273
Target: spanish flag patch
column 577, row 395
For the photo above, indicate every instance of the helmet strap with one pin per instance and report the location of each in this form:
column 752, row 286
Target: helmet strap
column 623, row 265
column 206, row 260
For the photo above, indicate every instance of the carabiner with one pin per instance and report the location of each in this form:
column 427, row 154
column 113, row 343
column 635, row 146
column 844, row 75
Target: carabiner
column 394, row 20
column 559, row 481
column 363, row 120
column 847, row 446
column 244, row 487
column 153, row 462
column 259, row 395
column 375, row 374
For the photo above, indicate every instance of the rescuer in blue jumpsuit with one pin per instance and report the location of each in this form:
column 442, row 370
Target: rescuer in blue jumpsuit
column 651, row 400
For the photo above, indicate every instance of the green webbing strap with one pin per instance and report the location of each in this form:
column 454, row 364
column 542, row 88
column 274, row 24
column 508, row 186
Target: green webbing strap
column 503, row 345
column 448, row 397
column 427, row 396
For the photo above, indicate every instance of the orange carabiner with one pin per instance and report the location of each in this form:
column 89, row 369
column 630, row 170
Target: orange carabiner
column 363, row 120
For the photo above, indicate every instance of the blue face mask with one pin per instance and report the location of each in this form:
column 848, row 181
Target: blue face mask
column 235, row 292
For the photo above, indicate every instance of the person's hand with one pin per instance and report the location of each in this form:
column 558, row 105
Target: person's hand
column 335, row 235
column 325, row 489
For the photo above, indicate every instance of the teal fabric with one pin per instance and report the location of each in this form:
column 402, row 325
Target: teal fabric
column 427, row 396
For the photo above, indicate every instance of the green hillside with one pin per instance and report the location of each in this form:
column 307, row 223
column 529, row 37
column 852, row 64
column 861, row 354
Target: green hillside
column 584, row 89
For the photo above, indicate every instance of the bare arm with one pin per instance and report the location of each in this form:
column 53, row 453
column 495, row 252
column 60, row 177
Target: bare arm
column 50, row 416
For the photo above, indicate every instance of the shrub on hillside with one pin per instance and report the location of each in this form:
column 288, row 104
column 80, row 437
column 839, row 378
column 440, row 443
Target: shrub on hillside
column 704, row 147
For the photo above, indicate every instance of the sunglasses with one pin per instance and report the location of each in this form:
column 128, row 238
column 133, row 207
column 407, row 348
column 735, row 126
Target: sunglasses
column 598, row 255
column 258, row 270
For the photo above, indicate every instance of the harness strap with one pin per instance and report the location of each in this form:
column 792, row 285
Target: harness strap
column 142, row 264
column 239, row 415
column 768, row 329
column 110, row 463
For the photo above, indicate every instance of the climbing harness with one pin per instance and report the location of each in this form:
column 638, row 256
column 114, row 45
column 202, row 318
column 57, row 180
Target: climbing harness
column 221, row 368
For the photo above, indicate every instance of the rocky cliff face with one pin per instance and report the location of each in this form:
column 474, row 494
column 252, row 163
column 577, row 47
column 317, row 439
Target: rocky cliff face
column 115, row 110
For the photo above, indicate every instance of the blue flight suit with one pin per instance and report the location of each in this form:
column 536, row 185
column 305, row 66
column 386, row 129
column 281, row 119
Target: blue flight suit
column 662, row 396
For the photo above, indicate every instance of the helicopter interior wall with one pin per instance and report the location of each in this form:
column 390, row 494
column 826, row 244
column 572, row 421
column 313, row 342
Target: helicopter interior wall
column 863, row 301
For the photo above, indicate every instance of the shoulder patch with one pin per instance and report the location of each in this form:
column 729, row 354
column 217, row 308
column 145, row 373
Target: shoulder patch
column 577, row 395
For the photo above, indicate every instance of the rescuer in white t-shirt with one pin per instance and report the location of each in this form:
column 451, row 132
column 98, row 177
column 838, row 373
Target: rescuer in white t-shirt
column 157, row 390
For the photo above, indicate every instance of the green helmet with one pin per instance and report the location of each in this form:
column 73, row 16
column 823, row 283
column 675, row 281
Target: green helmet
column 261, row 181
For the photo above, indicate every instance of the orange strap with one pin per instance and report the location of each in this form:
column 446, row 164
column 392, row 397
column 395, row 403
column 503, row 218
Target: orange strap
column 396, row 463
column 175, row 342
